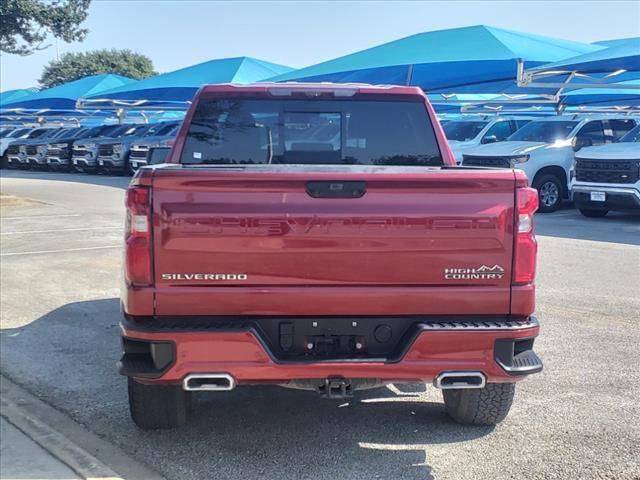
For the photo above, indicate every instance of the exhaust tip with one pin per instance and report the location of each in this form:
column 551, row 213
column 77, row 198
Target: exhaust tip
column 210, row 382
column 457, row 380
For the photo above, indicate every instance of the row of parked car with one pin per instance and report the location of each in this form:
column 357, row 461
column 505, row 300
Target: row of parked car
column 118, row 149
column 595, row 160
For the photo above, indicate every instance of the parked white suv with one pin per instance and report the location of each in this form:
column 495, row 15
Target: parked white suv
column 469, row 133
column 545, row 148
column 608, row 177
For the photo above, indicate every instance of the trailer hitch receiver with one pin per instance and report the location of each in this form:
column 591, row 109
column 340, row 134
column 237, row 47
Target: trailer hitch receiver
column 335, row 388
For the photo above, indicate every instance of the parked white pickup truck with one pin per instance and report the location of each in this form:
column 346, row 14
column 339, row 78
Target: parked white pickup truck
column 470, row 133
column 6, row 137
column 608, row 177
column 545, row 148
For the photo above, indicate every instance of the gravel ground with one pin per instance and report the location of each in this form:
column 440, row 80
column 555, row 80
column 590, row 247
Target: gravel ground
column 578, row 419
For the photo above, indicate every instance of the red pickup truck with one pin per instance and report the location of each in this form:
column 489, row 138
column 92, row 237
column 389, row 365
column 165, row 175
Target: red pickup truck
column 320, row 237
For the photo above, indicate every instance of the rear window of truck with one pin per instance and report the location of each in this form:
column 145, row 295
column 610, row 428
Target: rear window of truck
column 319, row 132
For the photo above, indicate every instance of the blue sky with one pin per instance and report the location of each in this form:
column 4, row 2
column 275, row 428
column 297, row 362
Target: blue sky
column 175, row 34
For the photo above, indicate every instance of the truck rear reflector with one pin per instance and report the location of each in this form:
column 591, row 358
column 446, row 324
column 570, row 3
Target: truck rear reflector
column 526, row 247
column 137, row 236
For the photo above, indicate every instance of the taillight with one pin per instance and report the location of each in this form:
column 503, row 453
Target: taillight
column 526, row 247
column 138, row 236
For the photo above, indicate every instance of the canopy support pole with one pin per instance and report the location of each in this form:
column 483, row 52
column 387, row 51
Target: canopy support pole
column 121, row 114
column 409, row 75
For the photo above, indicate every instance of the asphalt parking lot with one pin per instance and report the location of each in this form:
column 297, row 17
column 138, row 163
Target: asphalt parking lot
column 60, row 268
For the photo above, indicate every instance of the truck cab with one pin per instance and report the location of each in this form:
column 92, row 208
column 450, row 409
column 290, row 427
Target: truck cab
column 465, row 134
column 544, row 150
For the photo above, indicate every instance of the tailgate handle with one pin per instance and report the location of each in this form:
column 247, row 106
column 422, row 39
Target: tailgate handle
column 336, row 189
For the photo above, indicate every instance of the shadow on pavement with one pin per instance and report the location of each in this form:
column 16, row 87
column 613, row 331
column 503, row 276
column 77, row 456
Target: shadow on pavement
column 101, row 179
column 68, row 356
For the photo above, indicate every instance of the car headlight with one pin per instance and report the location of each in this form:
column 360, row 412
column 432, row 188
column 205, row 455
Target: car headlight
column 117, row 149
column 41, row 149
column 88, row 145
column 59, row 145
column 513, row 161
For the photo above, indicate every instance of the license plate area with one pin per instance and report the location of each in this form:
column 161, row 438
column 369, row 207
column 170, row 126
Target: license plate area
column 329, row 338
column 598, row 196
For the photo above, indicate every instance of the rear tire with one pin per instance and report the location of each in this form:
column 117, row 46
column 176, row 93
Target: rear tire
column 155, row 407
column 550, row 192
column 593, row 213
column 480, row 406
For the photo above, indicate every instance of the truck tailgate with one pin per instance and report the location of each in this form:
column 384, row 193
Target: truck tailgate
column 236, row 242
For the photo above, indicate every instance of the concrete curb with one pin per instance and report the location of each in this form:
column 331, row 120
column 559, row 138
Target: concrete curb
column 52, row 430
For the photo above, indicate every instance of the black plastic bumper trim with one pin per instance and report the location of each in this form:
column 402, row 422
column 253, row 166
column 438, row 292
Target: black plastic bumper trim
column 516, row 356
column 145, row 358
column 244, row 324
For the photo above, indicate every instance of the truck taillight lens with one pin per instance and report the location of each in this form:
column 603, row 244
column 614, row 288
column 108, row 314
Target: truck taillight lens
column 526, row 247
column 138, row 236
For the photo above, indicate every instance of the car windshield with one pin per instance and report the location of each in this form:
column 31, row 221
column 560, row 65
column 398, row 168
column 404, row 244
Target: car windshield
column 16, row 133
column 463, row 130
column 111, row 130
column 632, row 135
column 5, row 133
column 319, row 132
column 61, row 132
column 40, row 133
column 543, row 131
column 167, row 129
column 135, row 130
column 156, row 129
column 69, row 132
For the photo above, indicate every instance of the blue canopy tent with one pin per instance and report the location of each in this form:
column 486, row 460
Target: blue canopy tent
column 445, row 61
column 177, row 88
column 603, row 96
column 612, row 66
column 614, row 42
column 64, row 97
column 15, row 95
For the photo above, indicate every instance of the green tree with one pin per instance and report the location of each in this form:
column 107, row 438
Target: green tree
column 26, row 24
column 73, row 66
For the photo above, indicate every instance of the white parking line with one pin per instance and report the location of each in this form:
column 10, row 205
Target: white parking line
column 62, row 230
column 58, row 251
column 41, row 216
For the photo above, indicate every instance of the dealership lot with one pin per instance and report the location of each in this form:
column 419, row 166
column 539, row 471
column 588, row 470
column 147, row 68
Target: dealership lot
column 60, row 246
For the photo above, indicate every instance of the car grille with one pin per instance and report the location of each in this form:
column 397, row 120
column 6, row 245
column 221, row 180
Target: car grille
column 80, row 152
column 57, row 152
column 13, row 149
column 607, row 171
column 499, row 162
column 139, row 152
column 105, row 150
column 32, row 150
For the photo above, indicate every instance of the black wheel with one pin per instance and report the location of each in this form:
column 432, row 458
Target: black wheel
column 155, row 407
column 480, row 406
column 593, row 213
column 550, row 192
column 4, row 161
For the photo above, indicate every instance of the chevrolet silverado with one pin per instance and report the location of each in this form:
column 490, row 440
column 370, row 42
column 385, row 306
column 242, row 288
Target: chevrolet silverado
column 321, row 237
